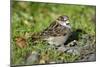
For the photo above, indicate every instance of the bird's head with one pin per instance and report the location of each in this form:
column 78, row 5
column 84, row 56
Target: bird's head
column 64, row 21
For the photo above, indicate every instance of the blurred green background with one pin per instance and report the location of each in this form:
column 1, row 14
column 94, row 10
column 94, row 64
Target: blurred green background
column 34, row 17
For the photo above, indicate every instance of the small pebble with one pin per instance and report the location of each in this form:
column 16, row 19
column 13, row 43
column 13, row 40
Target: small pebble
column 33, row 58
column 73, row 50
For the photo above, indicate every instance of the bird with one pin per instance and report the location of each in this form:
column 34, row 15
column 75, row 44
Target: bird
column 57, row 32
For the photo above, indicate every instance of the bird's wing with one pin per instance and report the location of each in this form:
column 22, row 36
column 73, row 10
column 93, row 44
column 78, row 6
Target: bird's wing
column 55, row 29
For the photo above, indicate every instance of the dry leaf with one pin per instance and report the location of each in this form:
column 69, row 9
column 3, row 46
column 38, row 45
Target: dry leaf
column 44, row 58
column 21, row 42
column 42, row 62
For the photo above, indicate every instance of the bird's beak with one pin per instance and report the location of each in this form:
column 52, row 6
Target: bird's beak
column 67, row 22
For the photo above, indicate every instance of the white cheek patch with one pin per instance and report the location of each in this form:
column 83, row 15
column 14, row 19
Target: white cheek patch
column 64, row 24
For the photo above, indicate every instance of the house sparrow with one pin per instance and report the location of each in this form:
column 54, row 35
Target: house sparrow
column 58, row 31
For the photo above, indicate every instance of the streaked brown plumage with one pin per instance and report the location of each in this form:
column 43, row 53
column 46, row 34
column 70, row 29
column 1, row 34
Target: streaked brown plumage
column 58, row 31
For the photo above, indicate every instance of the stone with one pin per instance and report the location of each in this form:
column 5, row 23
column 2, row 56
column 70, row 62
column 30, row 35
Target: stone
column 33, row 58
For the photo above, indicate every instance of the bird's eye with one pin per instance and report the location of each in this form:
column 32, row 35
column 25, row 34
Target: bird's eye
column 65, row 19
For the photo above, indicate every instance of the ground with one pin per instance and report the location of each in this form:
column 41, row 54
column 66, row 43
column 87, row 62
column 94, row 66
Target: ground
column 31, row 17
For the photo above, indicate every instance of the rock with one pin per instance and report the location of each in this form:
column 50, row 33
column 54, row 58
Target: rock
column 73, row 50
column 88, row 58
column 33, row 58
column 92, row 57
column 62, row 48
column 88, row 53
